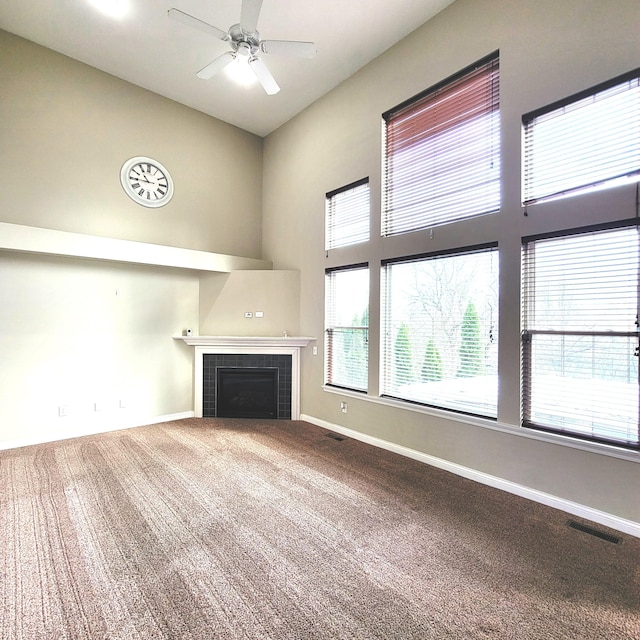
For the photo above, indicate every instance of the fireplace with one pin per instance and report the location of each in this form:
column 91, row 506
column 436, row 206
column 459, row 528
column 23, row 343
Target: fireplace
column 246, row 393
column 246, row 352
column 236, row 385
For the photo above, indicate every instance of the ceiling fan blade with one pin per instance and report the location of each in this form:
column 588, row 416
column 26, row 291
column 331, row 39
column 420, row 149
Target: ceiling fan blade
column 217, row 65
column 190, row 21
column 264, row 76
column 249, row 15
column 289, row 48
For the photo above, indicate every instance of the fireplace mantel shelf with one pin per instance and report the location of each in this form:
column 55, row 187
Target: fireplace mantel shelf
column 246, row 341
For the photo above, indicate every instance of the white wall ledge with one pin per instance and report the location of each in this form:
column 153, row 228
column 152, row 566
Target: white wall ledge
column 16, row 237
column 246, row 341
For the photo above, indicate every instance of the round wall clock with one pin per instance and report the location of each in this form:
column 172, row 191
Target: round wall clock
column 146, row 182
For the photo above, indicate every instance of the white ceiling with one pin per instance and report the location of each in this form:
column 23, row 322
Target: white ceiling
column 152, row 51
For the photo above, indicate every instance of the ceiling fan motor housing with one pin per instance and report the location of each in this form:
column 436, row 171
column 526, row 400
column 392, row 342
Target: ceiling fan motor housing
column 244, row 43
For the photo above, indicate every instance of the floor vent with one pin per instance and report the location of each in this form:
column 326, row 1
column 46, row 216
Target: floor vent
column 594, row 532
column 334, row 436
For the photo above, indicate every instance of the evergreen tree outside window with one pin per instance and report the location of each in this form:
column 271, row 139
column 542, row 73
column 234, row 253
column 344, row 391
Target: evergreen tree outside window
column 471, row 360
column 440, row 322
column 403, row 356
column 432, row 364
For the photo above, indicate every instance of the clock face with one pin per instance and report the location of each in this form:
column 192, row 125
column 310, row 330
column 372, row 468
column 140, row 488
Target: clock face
column 146, row 181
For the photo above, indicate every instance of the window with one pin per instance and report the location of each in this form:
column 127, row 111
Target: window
column 347, row 215
column 590, row 140
column 442, row 153
column 440, row 345
column 347, row 327
column 580, row 334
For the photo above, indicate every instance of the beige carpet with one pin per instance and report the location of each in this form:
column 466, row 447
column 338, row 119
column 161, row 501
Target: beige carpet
column 247, row 529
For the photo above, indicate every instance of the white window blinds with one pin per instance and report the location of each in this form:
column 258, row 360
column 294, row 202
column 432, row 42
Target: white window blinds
column 347, row 327
column 440, row 323
column 347, row 215
column 442, row 153
column 580, row 334
column 588, row 141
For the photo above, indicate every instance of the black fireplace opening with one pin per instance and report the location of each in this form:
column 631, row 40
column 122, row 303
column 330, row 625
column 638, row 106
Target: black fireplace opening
column 247, row 392
column 211, row 362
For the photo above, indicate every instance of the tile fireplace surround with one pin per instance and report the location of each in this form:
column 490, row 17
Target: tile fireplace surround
column 251, row 345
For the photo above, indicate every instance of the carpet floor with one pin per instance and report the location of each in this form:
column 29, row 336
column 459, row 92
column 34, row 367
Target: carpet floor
column 256, row 529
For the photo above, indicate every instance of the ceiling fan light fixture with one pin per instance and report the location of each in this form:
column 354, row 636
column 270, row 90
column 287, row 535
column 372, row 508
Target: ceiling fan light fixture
column 246, row 44
column 240, row 72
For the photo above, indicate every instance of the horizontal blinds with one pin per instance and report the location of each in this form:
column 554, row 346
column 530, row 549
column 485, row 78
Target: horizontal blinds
column 580, row 334
column 588, row 142
column 347, row 350
column 442, row 154
column 347, row 215
column 440, row 328
column 347, row 328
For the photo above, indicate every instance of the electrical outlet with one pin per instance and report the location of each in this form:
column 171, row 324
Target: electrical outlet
column 343, row 407
column 315, row 351
column 63, row 410
column 97, row 406
column 259, row 314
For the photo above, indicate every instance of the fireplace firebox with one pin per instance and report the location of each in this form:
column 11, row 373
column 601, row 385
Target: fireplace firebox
column 236, row 385
column 247, row 392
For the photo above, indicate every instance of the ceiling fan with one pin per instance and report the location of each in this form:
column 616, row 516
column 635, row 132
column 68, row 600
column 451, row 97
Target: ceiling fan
column 245, row 43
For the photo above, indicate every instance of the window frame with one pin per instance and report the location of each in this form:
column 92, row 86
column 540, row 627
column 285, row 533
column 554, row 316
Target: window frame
column 334, row 221
column 528, row 121
column 448, row 121
column 527, row 335
column 329, row 329
column 386, row 349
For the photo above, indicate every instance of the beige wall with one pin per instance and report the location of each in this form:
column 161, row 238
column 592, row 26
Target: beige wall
column 65, row 131
column 548, row 50
column 225, row 298
column 66, row 337
column 74, row 333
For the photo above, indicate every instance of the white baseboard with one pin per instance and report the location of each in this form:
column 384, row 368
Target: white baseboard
column 582, row 511
column 112, row 425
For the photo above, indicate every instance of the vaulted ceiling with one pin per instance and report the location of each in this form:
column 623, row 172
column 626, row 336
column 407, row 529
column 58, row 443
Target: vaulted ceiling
column 146, row 48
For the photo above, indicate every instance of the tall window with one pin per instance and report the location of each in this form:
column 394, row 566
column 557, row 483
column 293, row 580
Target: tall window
column 580, row 334
column 587, row 141
column 442, row 152
column 347, row 215
column 347, row 327
column 440, row 320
